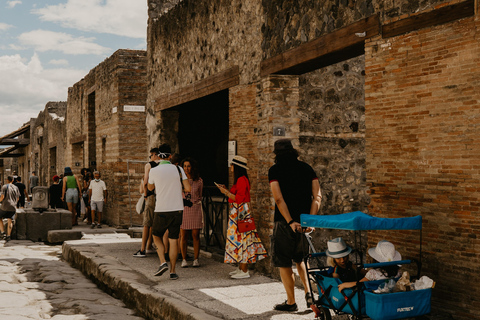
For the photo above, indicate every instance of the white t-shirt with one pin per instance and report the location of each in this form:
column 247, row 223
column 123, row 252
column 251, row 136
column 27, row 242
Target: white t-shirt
column 97, row 190
column 168, row 188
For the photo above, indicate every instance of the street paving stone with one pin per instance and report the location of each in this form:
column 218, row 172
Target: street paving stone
column 36, row 284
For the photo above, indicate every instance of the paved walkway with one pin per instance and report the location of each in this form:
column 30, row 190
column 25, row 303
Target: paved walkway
column 36, row 284
column 200, row 293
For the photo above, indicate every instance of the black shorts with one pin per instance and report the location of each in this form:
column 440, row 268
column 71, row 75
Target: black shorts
column 287, row 245
column 171, row 221
column 6, row 214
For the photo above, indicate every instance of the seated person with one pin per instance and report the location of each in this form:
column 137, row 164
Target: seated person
column 340, row 265
column 383, row 252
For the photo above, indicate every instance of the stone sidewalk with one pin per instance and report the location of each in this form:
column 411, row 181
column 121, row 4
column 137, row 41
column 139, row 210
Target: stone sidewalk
column 200, row 293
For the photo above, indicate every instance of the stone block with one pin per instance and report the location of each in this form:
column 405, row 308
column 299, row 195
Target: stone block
column 59, row 236
column 33, row 225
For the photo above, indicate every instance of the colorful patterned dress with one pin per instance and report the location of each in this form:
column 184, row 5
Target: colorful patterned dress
column 242, row 247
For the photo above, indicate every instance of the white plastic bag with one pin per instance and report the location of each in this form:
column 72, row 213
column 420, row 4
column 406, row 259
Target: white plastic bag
column 386, row 287
column 423, row 283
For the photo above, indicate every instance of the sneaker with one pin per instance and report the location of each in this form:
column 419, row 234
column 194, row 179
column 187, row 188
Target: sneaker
column 99, row 226
column 140, row 254
column 195, row 264
column 92, row 226
column 234, row 272
column 184, row 264
column 286, row 307
column 308, row 299
column 7, row 238
column 241, row 275
column 150, row 251
column 173, row 276
column 3, row 236
column 161, row 270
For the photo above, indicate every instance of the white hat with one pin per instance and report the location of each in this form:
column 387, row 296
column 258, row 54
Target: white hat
column 384, row 252
column 337, row 248
column 240, row 161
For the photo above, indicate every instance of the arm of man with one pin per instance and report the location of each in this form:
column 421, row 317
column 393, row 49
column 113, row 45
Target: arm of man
column 282, row 205
column 90, row 193
column 186, row 185
column 1, row 197
column 145, row 178
column 105, row 193
column 316, row 197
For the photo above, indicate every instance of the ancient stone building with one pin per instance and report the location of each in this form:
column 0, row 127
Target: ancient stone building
column 106, row 127
column 13, row 156
column 380, row 97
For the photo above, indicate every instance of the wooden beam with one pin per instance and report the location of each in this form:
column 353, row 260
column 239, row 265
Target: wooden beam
column 334, row 47
column 16, row 142
column 429, row 19
column 12, row 155
column 218, row 82
column 78, row 139
column 17, row 132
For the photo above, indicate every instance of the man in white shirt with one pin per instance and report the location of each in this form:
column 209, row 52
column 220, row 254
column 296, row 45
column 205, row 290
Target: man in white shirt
column 97, row 193
column 167, row 180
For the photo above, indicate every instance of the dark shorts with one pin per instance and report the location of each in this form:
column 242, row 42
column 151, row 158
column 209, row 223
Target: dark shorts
column 171, row 221
column 287, row 245
column 6, row 214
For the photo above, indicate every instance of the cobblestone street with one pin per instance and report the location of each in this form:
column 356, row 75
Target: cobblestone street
column 36, row 284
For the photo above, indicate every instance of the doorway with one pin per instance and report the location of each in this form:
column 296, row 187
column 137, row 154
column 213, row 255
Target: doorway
column 203, row 135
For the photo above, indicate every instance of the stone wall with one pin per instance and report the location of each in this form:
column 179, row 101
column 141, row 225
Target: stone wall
column 105, row 132
column 421, row 98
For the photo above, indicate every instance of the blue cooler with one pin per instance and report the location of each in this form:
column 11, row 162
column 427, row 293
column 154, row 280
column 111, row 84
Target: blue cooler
column 398, row 305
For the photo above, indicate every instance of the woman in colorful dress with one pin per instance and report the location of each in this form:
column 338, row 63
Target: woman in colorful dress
column 242, row 247
column 192, row 216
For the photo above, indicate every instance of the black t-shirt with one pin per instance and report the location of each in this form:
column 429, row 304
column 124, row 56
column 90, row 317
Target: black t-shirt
column 21, row 187
column 295, row 179
column 56, row 196
column 153, row 164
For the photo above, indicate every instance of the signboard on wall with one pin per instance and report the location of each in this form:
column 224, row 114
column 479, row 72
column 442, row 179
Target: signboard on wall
column 134, row 108
column 232, row 151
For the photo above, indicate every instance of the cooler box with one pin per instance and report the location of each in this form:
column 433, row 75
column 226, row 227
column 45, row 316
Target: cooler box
column 398, row 305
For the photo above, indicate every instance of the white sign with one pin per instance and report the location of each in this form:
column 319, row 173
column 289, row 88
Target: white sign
column 134, row 108
column 232, row 151
column 114, row 110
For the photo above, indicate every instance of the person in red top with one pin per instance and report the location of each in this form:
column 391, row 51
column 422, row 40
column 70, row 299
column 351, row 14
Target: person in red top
column 241, row 247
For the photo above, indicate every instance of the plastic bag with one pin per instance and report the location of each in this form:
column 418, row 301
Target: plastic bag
column 386, row 287
column 423, row 283
column 403, row 284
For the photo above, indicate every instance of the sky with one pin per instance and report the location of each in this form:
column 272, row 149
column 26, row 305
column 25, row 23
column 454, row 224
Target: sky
column 47, row 46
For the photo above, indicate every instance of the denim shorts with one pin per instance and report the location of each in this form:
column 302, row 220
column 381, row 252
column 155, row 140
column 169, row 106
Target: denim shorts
column 71, row 196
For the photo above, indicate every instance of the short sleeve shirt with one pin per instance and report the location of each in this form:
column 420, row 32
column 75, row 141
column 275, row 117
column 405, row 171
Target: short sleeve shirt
column 295, row 179
column 33, row 181
column 168, row 188
column 241, row 190
column 97, row 188
column 11, row 194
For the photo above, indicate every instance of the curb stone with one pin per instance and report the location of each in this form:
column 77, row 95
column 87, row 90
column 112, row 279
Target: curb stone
column 132, row 288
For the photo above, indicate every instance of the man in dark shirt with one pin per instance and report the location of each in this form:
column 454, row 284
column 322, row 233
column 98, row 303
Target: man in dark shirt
column 9, row 195
column 23, row 192
column 33, row 181
column 296, row 190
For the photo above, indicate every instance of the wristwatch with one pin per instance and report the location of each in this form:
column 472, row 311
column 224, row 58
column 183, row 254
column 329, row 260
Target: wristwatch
column 291, row 221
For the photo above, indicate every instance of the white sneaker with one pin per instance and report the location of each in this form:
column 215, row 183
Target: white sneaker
column 241, row 275
column 234, row 271
column 196, row 264
column 184, row 263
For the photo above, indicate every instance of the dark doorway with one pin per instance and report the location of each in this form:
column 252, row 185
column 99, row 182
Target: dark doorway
column 203, row 135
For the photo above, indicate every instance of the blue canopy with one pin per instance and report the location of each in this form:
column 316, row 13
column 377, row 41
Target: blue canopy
column 360, row 221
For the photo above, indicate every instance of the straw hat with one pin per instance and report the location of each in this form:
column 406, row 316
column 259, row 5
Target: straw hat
column 337, row 248
column 240, row 161
column 384, row 252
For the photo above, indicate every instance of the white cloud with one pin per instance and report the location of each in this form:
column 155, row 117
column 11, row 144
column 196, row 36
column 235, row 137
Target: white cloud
column 11, row 4
column 26, row 87
column 59, row 62
column 120, row 17
column 4, row 26
column 44, row 40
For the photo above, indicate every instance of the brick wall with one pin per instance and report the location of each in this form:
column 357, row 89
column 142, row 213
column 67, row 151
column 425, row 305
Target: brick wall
column 422, row 93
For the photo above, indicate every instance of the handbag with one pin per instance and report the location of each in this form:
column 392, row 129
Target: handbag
column 186, row 202
column 245, row 225
column 140, row 207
